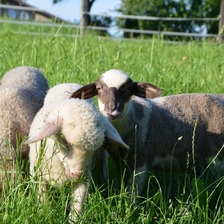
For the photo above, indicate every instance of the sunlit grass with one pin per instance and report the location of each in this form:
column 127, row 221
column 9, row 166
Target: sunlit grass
column 170, row 197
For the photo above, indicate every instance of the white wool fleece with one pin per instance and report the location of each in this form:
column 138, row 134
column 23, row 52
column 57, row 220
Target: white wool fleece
column 78, row 121
column 83, row 119
column 28, row 78
column 79, row 130
column 18, row 109
column 60, row 92
column 114, row 78
column 22, row 93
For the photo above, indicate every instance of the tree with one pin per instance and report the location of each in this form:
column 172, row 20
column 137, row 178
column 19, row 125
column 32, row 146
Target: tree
column 211, row 9
column 100, row 21
column 169, row 8
column 85, row 19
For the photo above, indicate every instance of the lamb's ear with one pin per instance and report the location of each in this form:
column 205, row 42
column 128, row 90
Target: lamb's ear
column 48, row 129
column 146, row 90
column 85, row 92
column 112, row 133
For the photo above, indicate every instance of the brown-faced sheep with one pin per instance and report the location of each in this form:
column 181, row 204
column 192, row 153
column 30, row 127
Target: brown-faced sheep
column 165, row 132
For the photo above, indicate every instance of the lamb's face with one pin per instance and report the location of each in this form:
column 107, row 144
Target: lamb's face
column 83, row 132
column 75, row 161
column 114, row 90
column 81, row 124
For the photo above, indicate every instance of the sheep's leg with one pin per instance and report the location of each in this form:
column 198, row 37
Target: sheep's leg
column 99, row 170
column 78, row 196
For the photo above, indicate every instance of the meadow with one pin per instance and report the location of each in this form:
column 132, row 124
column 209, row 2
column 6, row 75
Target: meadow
column 176, row 68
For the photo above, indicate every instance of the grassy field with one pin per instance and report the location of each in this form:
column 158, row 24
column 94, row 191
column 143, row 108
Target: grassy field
column 186, row 68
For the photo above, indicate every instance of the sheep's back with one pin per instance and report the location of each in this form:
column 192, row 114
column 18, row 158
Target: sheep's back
column 189, row 120
column 206, row 109
column 168, row 126
column 60, row 92
column 28, row 78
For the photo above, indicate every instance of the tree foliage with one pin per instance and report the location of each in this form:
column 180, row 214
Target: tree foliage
column 101, row 21
column 169, row 8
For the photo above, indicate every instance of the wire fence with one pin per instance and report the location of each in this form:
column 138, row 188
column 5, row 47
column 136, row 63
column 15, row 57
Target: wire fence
column 113, row 27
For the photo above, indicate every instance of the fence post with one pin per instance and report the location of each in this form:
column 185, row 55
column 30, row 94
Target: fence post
column 83, row 21
column 221, row 22
column 85, row 16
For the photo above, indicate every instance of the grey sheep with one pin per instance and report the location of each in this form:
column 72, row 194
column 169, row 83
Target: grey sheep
column 22, row 93
column 162, row 133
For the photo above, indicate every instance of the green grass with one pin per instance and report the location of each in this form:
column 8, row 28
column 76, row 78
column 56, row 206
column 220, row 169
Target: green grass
column 189, row 67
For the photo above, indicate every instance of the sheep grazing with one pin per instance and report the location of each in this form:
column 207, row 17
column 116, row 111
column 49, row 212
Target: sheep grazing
column 63, row 91
column 73, row 130
column 162, row 133
column 22, row 93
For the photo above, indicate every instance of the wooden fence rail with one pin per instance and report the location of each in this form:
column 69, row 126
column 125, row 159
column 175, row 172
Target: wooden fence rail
column 158, row 32
column 219, row 19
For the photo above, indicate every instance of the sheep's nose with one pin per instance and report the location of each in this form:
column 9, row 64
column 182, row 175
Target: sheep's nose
column 111, row 109
column 112, row 106
column 112, row 102
column 74, row 174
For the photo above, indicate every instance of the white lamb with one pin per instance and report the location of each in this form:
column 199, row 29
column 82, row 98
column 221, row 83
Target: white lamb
column 171, row 132
column 22, row 93
column 77, row 130
column 64, row 91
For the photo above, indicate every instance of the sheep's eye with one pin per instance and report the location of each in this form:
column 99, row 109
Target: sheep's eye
column 98, row 88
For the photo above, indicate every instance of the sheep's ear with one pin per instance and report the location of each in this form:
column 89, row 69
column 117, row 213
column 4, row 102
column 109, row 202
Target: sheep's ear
column 146, row 90
column 85, row 92
column 48, row 129
column 112, row 133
